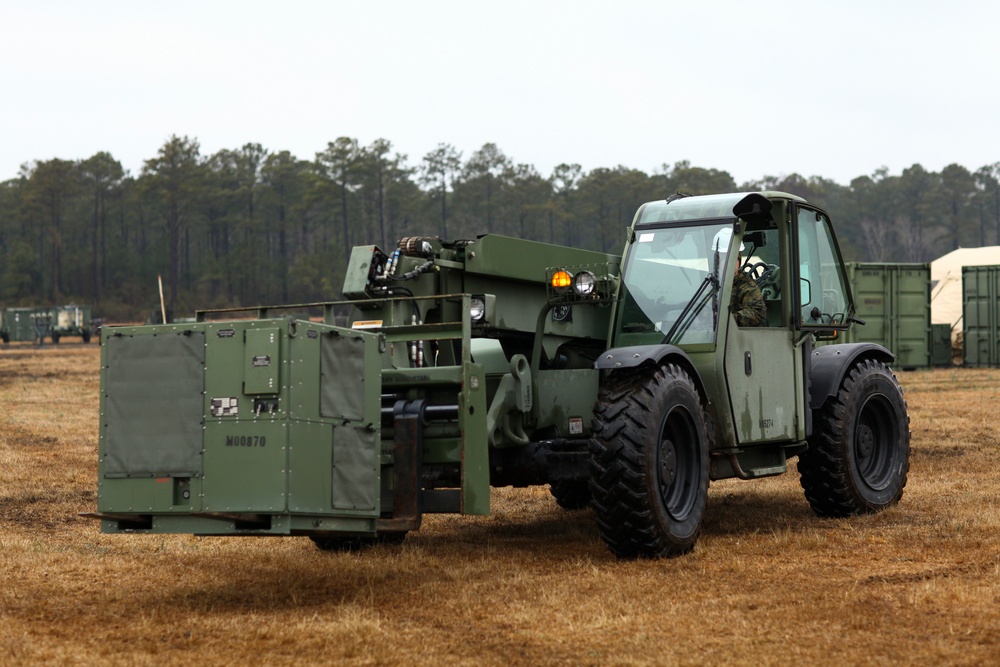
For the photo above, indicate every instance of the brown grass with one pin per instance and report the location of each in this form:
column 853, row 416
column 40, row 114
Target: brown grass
column 769, row 583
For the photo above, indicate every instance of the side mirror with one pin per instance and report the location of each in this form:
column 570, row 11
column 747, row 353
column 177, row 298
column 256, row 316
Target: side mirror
column 755, row 207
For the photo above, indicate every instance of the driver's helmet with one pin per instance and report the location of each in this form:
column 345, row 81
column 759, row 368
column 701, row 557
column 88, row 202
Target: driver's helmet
column 722, row 240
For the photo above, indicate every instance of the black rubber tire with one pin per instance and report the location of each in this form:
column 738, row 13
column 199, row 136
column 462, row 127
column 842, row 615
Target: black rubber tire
column 85, row 336
column 572, row 495
column 55, row 338
column 859, row 453
column 344, row 543
column 649, row 463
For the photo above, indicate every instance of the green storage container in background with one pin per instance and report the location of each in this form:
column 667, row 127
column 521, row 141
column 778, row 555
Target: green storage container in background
column 981, row 315
column 941, row 350
column 895, row 302
column 54, row 322
column 26, row 324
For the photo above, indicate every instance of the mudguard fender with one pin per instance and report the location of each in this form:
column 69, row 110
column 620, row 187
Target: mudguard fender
column 637, row 355
column 620, row 358
column 830, row 363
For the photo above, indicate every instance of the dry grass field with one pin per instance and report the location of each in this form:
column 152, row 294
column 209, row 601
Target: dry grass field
column 768, row 583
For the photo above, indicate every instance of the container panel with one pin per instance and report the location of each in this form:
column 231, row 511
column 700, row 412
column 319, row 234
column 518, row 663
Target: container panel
column 150, row 494
column 245, row 466
column 262, row 363
column 153, row 405
column 941, row 345
column 872, row 297
column 310, row 454
column 894, row 302
column 911, row 316
column 342, row 377
column 981, row 315
column 27, row 324
column 225, row 355
column 355, row 469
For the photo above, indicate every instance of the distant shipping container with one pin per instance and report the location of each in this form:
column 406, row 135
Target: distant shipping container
column 981, row 315
column 25, row 324
column 894, row 300
column 55, row 322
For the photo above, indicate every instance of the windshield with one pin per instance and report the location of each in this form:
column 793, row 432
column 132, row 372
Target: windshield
column 669, row 268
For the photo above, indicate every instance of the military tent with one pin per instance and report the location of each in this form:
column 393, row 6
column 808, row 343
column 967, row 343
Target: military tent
column 946, row 282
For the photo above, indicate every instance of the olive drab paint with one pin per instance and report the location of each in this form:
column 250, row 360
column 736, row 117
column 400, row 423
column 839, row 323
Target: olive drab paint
column 894, row 300
column 980, row 316
column 41, row 323
column 623, row 381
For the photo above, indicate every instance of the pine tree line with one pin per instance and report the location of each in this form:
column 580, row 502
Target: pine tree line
column 252, row 226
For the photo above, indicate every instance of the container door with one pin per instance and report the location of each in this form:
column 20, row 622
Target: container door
column 979, row 310
column 911, row 315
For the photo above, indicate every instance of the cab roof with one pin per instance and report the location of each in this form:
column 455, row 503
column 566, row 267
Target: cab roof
column 703, row 207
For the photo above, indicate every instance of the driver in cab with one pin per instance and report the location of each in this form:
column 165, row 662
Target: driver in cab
column 747, row 304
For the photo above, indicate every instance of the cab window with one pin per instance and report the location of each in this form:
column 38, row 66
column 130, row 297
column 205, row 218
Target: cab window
column 822, row 287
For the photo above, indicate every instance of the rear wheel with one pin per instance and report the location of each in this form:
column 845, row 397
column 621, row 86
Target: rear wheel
column 55, row 337
column 649, row 463
column 859, row 453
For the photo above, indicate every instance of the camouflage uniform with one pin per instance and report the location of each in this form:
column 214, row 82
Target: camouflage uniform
column 748, row 303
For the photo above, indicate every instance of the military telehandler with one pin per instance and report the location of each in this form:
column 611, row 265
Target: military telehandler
column 622, row 382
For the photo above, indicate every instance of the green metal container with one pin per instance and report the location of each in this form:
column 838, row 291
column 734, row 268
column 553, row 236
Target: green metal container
column 55, row 322
column 981, row 315
column 26, row 324
column 941, row 345
column 894, row 300
column 212, row 453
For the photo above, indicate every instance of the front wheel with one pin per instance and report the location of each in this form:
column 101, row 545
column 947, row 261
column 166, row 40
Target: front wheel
column 649, row 463
column 859, row 453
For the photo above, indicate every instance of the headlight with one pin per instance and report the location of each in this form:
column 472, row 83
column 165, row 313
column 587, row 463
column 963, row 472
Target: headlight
column 584, row 282
column 477, row 308
column 590, row 283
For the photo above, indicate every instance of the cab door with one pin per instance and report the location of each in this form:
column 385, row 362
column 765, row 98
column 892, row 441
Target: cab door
column 764, row 375
column 764, row 364
column 823, row 297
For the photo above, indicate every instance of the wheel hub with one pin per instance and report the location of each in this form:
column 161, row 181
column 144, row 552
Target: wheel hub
column 866, row 441
column 668, row 463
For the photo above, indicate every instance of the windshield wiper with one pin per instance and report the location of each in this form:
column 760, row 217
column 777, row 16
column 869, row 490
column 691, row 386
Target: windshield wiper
column 695, row 304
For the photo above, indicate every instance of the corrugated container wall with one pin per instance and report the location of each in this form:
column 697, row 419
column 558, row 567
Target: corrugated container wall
column 981, row 315
column 895, row 302
column 25, row 324
column 941, row 348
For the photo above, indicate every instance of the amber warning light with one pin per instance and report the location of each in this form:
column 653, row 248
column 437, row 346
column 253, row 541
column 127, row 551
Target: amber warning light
column 561, row 279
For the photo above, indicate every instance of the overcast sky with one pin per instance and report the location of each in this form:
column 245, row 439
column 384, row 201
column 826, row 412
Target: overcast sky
column 834, row 89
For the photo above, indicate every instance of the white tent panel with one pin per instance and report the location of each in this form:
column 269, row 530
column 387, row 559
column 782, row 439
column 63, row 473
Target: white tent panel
column 946, row 282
